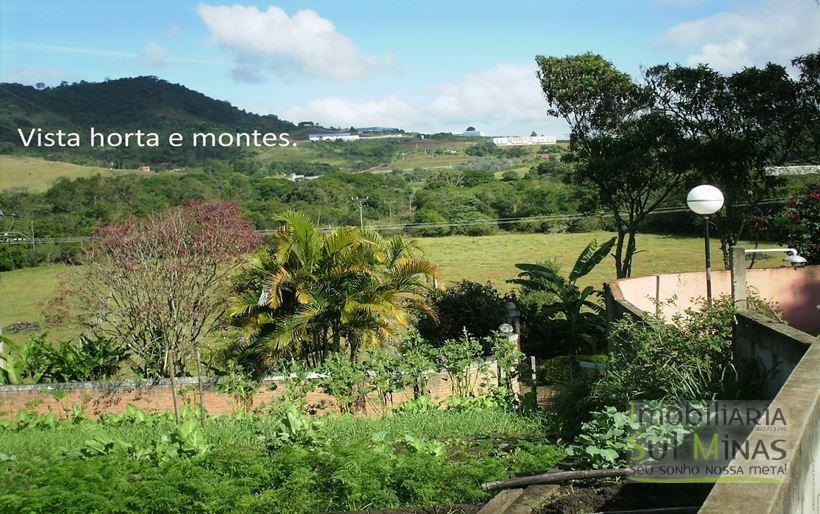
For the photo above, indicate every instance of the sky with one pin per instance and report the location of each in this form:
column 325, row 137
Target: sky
column 423, row 65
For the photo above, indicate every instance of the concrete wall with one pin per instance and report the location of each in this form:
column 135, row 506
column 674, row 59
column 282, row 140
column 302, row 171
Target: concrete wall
column 791, row 358
column 795, row 290
column 778, row 348
column 800, row 491
column 95, row 398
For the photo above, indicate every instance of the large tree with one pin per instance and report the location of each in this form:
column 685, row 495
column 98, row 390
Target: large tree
column 310, row 293
column 626, row 155
column 738, row 125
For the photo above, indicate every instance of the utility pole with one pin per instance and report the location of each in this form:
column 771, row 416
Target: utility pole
column 360, row 201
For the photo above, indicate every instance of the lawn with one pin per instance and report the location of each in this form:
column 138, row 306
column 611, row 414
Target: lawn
column 493, row 258
column 265, row 463
column 39, row 174
column 22, row 290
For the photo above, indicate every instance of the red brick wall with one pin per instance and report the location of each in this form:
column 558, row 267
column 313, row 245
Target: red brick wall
column 95, row 398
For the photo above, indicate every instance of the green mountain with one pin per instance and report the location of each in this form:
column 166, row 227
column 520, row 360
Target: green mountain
column 129, row 104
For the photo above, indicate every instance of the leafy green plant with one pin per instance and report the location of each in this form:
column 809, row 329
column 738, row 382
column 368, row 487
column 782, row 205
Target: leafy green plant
column 416, row 364
column 347, row 381
column 239, row 385
column 685, row 360
column 604, row 441
column 462, row 360
column 583, row 316
column 37, row 360
column 384, row 375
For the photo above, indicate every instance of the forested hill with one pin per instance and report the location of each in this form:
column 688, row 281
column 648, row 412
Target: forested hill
column 127, row 104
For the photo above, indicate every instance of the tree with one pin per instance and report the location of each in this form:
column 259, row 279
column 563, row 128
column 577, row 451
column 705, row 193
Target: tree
column 158, row 284
column 625, row 154
column 573, row 304
column 738, row 125
column 309, row 292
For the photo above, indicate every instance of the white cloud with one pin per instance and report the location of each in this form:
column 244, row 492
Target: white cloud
column 173, row 32
column 338, row 112
column 304, row 43
column 749, row 35
column 22, row 75
column 505, row 99
column 154, row 54
column 504, row 93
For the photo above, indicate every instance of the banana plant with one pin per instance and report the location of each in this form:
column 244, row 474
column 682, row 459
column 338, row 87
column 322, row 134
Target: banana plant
column 15, row 363
column 576, row 305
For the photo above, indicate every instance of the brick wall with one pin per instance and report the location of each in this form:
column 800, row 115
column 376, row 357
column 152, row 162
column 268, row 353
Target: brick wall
column 95, row 398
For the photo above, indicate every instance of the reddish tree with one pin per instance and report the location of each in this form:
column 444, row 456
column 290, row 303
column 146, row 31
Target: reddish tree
column 158, row 284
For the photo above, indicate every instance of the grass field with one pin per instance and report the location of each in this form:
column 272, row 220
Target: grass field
column 481, row 259
column 493, row 258
column 39, row 174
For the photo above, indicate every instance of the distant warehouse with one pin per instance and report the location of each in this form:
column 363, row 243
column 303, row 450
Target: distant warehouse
column 524, row 140
column 333, row 136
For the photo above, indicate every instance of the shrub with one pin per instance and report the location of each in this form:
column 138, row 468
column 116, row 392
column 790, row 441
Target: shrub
column 37, row 360
column 239, row 385
column 798, row 224
column 476, row 308
column 687, row 359
column 427, row 215
column 416, row 363
column 346, row 380
column 457, row 358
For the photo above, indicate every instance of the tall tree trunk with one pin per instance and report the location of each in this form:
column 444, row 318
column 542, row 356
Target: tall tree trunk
column 619, row 252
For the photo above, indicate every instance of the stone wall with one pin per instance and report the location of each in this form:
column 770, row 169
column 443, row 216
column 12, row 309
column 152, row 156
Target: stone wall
column 95, row 398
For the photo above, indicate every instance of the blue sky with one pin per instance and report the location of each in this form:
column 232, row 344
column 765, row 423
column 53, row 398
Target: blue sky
column 420, row 65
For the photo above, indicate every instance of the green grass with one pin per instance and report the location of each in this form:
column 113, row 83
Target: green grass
column 493, row 258
column 23, row 290
column 240, row 463
column 37, row 175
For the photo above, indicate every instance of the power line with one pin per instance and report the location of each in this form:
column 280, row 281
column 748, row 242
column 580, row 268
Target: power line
column 16, row 238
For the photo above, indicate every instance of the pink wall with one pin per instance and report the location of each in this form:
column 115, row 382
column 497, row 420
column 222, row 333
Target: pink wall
column 796, row 291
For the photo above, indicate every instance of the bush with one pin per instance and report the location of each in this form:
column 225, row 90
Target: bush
column 556, row 371
column 604, row 442
column 685, row 360
column 38, row 361
column 476, row 308
column 430, row 216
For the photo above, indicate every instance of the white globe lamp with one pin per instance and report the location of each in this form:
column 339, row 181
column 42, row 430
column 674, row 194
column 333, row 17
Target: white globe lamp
column 706, row 200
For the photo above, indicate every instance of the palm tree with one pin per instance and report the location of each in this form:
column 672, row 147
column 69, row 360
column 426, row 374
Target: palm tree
column 310, row 293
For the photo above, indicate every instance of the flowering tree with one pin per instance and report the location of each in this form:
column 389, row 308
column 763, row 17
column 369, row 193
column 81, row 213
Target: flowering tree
column 798, row 224
column 159, row 283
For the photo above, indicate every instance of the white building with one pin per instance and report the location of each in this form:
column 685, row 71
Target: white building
column 333, row 136
column 524, row 140
column 472, row 132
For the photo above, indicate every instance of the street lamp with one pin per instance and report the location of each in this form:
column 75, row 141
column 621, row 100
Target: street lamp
column 792, row 257
column 706, row 200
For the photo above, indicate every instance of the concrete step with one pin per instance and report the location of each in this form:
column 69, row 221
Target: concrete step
column 520, row 501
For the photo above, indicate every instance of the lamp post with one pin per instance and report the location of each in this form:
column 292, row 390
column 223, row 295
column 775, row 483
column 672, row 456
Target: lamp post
column 705, row 200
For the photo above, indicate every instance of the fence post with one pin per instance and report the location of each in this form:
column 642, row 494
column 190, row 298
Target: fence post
column 739, row 278
column 534, row 378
